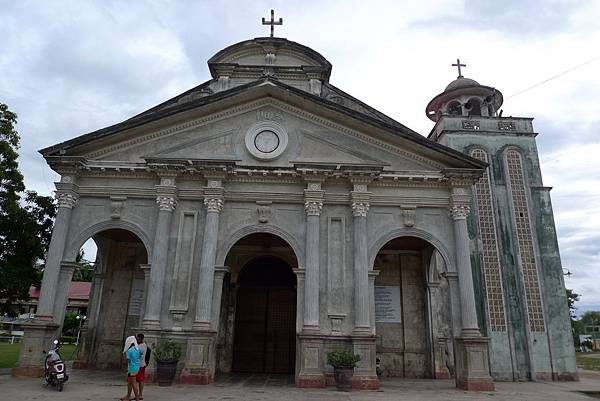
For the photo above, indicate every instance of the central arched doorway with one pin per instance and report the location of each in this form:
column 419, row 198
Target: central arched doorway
column 265, row 336
column 258, row 322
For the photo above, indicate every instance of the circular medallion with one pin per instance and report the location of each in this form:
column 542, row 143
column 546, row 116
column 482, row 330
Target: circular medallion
column 266, row 140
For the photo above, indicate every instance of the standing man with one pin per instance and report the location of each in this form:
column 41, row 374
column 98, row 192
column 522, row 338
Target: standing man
column 143, row 347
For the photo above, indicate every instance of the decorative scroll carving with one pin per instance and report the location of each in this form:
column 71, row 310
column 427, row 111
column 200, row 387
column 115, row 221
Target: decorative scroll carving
column 214, row 204
column 166, row 202
column 360, row 208
column 67, row 200
column 313, row 207
column 459, row 211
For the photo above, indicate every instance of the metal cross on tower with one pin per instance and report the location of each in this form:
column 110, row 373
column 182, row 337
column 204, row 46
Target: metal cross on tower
column 272, row 22
column 458, row 64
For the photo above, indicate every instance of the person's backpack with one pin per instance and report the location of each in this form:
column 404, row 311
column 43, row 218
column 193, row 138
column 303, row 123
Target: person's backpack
column 147, row 354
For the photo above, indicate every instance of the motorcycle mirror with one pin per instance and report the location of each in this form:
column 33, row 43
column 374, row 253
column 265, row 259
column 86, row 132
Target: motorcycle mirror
column 55, row 342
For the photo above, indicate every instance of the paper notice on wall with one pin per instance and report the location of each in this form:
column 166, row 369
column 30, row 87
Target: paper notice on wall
column 387, row 304
column 136, row 299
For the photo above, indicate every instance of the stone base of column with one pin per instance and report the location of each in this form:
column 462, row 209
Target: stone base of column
column 365, row 382
column 151, row 324
column 310, row 381
column 196, row 376
column 38, row 337
column 472, row 364
column 310, row 352
column 200, row 359
column 365, row 376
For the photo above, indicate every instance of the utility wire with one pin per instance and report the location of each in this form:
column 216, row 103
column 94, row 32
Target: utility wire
column 555, row 76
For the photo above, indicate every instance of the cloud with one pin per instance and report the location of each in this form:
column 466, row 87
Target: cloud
column 72, row 67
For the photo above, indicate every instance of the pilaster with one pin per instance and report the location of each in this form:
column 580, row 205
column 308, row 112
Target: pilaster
column 472, row 359
column 67, row 197
column 166, row 200
column 313, row 205
column 360, row 204
column 214, row 203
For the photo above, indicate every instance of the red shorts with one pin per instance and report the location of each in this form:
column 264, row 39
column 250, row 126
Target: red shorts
column 141, row 374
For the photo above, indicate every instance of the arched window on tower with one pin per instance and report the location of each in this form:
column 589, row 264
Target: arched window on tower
column 473, row 107
column 454, row 108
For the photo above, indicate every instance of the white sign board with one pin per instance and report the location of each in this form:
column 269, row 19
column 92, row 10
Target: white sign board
column 136, row 299
column 387, row 304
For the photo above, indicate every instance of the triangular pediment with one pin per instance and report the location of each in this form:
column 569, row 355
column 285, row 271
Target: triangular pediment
column 317, row 131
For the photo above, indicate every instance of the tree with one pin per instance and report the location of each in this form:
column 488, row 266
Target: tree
column 85, row 269
column 576, row 327
column 591, row 318
column 26, row 221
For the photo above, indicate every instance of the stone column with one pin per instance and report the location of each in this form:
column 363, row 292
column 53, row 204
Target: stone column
column 471, row 354
column 360, row 208
column 313, row 205
column 220, row 272
column 470, row 328
column 166, row 200
column 213, row 200
column 67, row 199
column 62, row 292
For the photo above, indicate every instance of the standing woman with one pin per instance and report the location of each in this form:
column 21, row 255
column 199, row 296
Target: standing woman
column 133, row 366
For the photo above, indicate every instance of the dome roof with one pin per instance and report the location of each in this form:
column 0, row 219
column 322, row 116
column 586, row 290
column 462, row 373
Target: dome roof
column 461, row 82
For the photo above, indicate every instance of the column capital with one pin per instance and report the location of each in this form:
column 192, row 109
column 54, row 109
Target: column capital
column 214, row 203
column 66, row 200
column 165, row 202
column 459, row 211
column 220, row 271
column 360, row 208
column 313, row 207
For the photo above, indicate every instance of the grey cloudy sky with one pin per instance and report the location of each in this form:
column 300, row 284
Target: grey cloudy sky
column 70, row 67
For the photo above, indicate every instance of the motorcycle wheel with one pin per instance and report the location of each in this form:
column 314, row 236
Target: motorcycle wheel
column 59, row 386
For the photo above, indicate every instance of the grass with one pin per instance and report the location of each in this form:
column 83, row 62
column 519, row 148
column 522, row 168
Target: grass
column 9, row 354
column 588, row 360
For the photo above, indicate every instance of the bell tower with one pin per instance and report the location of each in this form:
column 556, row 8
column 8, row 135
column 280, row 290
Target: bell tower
column 514, row 250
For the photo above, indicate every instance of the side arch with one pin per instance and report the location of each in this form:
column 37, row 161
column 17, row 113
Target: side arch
column 228, row 243
column 77, row 241
column 412, row 232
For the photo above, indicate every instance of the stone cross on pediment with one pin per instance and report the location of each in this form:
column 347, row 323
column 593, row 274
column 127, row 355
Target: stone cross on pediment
column 272, row 22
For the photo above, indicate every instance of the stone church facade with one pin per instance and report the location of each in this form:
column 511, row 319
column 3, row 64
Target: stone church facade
column 266, row 217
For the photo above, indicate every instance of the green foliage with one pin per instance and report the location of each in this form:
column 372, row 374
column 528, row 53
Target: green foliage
column 26, row 221
column 342, row 358
column 591, row 318
column 167, row 351
column 70, row 324
column 67, row 339
column 85, row 270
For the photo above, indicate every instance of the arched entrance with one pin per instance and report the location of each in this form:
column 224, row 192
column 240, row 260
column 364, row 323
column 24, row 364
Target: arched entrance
column 402, row 314
column 258, row 315
column 116, row 299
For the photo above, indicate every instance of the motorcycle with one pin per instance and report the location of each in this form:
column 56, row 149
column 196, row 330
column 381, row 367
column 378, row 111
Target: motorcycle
column 55, row 371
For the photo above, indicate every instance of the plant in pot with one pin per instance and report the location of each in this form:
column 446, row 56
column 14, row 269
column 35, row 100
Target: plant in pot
column 343, row 362
column 166, row 354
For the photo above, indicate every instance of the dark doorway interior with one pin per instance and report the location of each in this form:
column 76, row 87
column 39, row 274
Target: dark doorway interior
column 265, row 335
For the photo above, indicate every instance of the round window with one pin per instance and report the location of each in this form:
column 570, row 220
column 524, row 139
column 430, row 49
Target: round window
column 266, row 140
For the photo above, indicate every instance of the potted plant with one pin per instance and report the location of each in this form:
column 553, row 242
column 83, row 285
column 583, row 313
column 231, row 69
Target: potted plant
column 343, row 362
column 166, row 354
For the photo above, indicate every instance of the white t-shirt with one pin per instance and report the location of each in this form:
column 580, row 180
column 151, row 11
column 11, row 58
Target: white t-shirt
column 143, row 347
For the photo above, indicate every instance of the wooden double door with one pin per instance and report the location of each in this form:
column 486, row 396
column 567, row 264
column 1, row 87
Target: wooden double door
column 265, row 335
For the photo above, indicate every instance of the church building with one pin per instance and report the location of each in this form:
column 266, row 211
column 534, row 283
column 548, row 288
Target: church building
column 266, row 216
